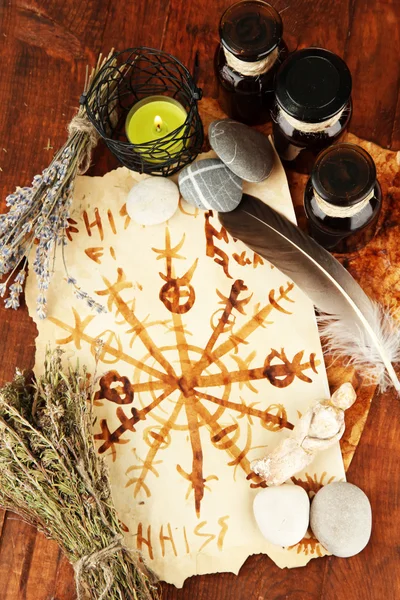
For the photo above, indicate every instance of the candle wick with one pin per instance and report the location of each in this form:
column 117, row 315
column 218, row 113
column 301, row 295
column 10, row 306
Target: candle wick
column 158, row 123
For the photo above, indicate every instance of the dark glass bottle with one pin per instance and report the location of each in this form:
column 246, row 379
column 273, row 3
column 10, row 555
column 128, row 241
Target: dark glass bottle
column 312, row 106
column 248, row 59
column 343, row 198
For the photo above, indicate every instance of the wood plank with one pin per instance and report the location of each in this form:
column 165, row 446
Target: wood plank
column 16, row 546
column 372, row 53
column 2, row 520
column 395, row 137
column 17, row 332
column 65, row 583
column 321, row 23
column 258, row 579
column 28, row 562
column 40, row 572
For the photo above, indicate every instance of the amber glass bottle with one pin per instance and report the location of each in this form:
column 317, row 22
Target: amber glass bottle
column 247, row 60
column 343, row 198
column 312, row 106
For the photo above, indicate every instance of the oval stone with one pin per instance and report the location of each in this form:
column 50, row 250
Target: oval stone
column 209, row 184
column 341, row 518
column 246, row 151
column 282, row 514
column 152, row 201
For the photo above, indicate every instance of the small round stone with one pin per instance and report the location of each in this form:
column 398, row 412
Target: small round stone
column 341, row 518
column 209, row 184
column 282, row 514
column 246, row 151
column 152, row 201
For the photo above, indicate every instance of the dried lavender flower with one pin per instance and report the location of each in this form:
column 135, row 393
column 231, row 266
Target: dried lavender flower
column 38, row 215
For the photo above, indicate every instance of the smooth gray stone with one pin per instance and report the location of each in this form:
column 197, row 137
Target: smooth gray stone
column 209, row 184
column 341, row 518
column 246, row 151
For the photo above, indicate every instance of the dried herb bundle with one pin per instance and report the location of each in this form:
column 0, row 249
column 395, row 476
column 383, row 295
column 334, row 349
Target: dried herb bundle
column 38, row 215
column 51, row 474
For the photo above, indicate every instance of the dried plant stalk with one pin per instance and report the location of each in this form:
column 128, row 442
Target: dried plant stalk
column 51, row 474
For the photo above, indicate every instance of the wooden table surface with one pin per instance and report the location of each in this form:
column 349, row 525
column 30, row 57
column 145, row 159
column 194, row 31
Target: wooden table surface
column 44, row 48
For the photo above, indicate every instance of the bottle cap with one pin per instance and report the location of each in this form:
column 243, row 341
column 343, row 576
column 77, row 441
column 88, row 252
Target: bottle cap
column 313, row 85
column 250, row 30
column 343, row 174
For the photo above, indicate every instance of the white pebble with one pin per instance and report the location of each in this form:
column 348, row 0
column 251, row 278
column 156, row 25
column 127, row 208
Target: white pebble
column 282, row 514
column 152, row 201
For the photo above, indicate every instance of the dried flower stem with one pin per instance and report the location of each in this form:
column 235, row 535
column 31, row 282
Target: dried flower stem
column 51, row 475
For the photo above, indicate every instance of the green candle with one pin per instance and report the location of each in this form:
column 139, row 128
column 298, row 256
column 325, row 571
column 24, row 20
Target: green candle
column 152, row 119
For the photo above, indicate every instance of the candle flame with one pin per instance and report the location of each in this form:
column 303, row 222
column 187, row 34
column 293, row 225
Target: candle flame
column 158, row 123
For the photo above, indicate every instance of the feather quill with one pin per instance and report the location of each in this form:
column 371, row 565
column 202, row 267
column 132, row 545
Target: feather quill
column 354, row 326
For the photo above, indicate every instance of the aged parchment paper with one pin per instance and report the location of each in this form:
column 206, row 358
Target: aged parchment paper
column 210, row 355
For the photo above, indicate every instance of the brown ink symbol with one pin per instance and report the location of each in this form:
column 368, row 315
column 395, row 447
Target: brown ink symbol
column 177, row 294
column 184, row 387
column 283, row 373
column 203, row 395
column 198, row 385
column 115, row 388
column 211, row 248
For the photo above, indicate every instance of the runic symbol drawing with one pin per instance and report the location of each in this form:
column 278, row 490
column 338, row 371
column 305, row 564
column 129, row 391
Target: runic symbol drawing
column 211, row 249
column 209, row 392
column 176, row 289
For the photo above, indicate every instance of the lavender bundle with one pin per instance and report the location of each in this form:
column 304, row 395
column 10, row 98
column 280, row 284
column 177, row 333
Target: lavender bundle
column 38, row 215
column 52, row 476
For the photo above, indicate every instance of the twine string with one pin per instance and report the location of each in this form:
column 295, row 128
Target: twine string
column 81, row 124
column 310, row 127
column 95, row 560
column 342, row 212
column 251, row 69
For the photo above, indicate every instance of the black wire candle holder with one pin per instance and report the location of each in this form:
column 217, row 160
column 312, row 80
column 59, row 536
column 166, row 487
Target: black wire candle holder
column 129, row 77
